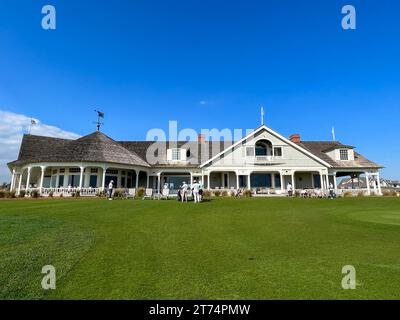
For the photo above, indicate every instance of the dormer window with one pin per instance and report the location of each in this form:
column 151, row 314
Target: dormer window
column 176, row 154
column 344, row 154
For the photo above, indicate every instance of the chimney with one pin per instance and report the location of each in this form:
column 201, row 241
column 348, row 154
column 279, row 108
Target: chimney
column 201, row 138
column 295, row 138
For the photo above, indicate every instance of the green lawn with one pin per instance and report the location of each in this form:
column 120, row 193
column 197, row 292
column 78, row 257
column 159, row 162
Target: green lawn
column 222, row 249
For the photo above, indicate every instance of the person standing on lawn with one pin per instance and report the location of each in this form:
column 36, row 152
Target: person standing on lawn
column 184, row 191
column 195, row 190
column 110, row 189
column 289, row 189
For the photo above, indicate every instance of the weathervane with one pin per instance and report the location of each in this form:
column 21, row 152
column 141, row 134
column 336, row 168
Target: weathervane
column 100, row 115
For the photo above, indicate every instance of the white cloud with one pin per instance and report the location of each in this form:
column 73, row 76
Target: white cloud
column 12, row 128
column 203, row 102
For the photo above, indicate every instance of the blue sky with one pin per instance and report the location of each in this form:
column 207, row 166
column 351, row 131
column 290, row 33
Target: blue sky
column 147, row 62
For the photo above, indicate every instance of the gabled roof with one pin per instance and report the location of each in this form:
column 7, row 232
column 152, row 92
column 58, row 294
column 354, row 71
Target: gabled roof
column 95, row 147
column 319, row 148
column 263, row 127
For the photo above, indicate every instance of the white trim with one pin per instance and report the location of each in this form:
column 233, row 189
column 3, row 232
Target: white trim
column 276, row 135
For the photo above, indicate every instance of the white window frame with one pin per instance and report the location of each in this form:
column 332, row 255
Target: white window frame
column 344, row 152
column 176, row 154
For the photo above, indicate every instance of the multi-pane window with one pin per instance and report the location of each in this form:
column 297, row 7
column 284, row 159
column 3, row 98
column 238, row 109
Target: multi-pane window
column 74, row 170
column 344, row 154
column 176, row 154
column 93, row 170
column 112, row 171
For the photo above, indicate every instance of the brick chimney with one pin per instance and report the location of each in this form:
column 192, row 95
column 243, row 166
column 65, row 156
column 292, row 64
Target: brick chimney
column 295, row 138
column 201, row 138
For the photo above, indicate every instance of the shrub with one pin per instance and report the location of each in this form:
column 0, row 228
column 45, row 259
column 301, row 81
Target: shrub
column 140, row 192
column 361, row 194
column 224, row 193
column 348, row 194
column 206, row 194
column 101, row 193
column 2, row 193
column 35, row 193
column 51, row 194
column 22, row 194
column 247, row 193
column 10, row 194
column 77, row 194
column 61, row 195
column 217, row 193
column 119, row 193
column 231, row 193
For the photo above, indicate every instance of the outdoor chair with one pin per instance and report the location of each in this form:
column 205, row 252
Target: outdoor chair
column 165, row 194
column 148, row 194
column 131, row 193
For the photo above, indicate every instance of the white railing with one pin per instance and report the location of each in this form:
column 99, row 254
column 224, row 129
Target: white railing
column 262, row 159
column 70, row 191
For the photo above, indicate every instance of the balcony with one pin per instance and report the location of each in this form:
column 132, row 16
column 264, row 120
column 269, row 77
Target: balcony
column 263, row 159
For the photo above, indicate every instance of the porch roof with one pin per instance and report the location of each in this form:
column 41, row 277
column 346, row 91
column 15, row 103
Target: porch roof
column 95, row 147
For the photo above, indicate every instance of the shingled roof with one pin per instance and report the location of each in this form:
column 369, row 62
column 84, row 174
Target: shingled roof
column 319, row 149
column 199, row 152
column 95, row 147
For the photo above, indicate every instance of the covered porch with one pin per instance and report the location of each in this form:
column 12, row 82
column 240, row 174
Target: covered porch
column 67, row 179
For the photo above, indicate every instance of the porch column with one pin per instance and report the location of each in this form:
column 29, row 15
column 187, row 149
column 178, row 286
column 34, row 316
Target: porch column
column 208, row 181
column 191, row 179
column 368, row 186
column 43, row 168
column 273, row 180
column 293, row 182
column 12, row 185
column 334, row 181
column 137, row 179
column 249, row 181
column 237, row 181
column 379, row 183
column 147, row 180
column 28, row 179
column 81, row 177
column 158, row 183
column 282, row 182
column 20, row 182
column 327, row 181
column 103, row 181
column 321, row 181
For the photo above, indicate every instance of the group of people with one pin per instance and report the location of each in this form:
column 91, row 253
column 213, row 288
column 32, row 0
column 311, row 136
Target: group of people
column 197, row 192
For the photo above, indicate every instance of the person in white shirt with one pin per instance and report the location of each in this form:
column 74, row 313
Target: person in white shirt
column 331, row 191
column 289, row 189
column 195, row 190
column 110, row 189
column 184, row 191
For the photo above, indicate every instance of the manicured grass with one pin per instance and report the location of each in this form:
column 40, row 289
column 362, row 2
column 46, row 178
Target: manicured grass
column 222, row 249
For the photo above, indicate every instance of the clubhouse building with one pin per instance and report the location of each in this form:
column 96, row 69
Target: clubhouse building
column 263, row 161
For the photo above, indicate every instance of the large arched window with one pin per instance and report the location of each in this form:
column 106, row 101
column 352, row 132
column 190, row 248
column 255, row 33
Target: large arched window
column 263, row 148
